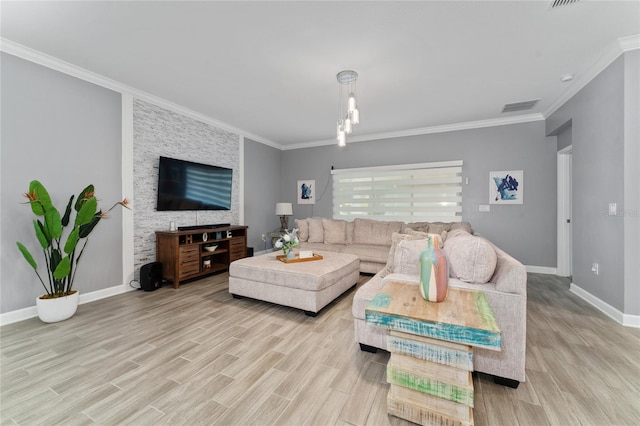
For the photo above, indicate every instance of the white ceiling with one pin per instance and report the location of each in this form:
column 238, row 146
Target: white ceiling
column 269, row 68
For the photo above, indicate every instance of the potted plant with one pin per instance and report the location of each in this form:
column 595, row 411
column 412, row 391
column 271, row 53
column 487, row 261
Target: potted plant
column 61, row 258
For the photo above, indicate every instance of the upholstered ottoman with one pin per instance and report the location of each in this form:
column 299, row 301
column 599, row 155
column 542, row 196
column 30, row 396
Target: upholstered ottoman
column 309, row 286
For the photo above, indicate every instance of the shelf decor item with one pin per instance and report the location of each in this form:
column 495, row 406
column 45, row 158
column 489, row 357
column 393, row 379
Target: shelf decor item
column 287, row 242
column 434, row 271
column 61, row 257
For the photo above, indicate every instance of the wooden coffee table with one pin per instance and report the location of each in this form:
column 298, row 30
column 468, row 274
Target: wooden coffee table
column 431, row 347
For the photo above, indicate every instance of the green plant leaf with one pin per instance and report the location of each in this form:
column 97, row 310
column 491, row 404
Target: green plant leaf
column 27, row 255
column 43, row 200
column 87, row 211
column 40, row 234
column 53, row 223
column 72, row 240
column 55, row 259
column 62, row 269
column 82, row 198
column 67, row 212
column 86, row 229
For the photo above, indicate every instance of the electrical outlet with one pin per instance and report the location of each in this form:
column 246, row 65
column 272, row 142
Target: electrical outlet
column 264, row 238
column 595, row 268
column 484, row 208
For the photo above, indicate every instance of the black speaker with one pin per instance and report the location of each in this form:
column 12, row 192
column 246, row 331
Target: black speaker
column 151, row 276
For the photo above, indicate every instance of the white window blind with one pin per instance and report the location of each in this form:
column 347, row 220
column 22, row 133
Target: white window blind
column 427, row 192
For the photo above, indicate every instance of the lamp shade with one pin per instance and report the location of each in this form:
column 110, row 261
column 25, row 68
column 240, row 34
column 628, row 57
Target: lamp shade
column 284, row 209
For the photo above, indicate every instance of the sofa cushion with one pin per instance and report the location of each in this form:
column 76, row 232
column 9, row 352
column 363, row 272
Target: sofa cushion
column 376, row 232
column 471, row 258
column 303, row 229
column 335, row 231
column 406, row 259
column 316, row 230
column 350, row 232
column 366, row 252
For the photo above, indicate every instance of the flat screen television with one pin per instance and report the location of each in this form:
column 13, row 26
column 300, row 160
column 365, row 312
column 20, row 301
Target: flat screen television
column 185, row 185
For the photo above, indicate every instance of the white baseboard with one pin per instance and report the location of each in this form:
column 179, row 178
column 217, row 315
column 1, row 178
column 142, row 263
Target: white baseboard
column 621, row 318
column 30, row 312
column 258, row 253
column 541, row 269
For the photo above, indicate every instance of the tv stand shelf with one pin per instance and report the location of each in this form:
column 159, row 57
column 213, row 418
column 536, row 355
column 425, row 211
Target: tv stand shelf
column 183, row 255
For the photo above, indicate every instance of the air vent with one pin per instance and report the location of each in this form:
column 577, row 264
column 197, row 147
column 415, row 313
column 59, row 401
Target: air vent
column 520, row 106
column 558, row 3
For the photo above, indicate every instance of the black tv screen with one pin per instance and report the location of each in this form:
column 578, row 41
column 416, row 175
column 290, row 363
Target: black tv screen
column 184, row 185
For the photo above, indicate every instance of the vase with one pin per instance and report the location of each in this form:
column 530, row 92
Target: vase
column 58, row 308
column 434, row 272
column 290, row 254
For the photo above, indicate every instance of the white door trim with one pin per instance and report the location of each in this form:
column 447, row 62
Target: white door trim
column 564, row 212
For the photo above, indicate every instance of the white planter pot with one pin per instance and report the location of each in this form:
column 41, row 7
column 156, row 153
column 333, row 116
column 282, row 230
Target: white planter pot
column 58, row 309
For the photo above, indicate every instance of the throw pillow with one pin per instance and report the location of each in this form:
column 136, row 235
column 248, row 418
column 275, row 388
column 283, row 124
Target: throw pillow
column 472, row 259
column 316, row 230
column 407, row 256
column 417, row 226
column 303, row 229
column 396, row 237
column 441, row 237
column 335, row 231
column 438, row 227
column 461, row 225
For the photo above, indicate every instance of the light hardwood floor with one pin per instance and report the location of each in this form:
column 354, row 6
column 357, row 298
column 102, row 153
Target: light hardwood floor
column 197, row 356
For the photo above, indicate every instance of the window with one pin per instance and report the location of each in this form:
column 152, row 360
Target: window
column 427, row 192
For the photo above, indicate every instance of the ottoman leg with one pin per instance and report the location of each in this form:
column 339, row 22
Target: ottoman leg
column 237, row 296
column 311, row 313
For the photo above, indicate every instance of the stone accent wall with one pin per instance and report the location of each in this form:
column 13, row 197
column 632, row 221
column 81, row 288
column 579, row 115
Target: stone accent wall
column 160, row 132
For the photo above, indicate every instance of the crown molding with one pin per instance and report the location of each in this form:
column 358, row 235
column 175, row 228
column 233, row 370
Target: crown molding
column 622, row 45
column 518, row 119
column 56, row 64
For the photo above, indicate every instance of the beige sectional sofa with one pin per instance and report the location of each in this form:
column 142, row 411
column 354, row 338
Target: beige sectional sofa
column 475, row 263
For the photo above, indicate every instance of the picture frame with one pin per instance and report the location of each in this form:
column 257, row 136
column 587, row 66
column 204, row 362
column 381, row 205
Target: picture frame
column 307, row 191
column 506, row 187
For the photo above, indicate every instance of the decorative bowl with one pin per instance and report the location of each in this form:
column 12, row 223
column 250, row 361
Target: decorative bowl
column 211, row 248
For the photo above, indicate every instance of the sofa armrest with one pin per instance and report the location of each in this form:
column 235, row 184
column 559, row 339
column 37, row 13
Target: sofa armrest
column 510, row 275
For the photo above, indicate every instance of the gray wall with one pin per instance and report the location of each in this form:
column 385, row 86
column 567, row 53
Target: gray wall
column 597, row 114
column 262, row 190
column 631, row 207
column 528, row 231
column 66, row 133
column 160, row 132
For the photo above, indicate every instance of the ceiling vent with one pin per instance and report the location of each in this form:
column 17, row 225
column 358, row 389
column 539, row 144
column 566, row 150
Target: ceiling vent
column 558, row 3
column 520, row 106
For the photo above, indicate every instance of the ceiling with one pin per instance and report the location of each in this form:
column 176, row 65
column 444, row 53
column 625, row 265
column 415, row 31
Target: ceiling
column 269, row 68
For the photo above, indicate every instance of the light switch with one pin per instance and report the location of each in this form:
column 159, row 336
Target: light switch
column 484, row 208
column 613, row 209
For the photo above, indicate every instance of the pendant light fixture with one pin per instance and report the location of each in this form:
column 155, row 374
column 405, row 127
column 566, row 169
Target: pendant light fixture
column 349, row 113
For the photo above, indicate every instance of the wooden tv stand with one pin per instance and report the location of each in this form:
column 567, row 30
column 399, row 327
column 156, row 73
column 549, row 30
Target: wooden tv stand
column 183, row 255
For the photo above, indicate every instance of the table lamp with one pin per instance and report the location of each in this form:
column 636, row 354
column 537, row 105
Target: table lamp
column 283, row 210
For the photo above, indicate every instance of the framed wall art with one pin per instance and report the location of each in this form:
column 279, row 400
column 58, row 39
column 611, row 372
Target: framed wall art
column 306, row 191
column 506, row 187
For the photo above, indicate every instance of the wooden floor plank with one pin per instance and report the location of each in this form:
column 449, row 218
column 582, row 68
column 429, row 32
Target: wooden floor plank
column 195, row 355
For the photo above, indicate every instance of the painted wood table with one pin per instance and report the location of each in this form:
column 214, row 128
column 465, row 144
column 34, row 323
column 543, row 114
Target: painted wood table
column 431, row 347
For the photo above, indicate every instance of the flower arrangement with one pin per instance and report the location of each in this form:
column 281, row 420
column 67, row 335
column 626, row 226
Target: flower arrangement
column 288, row 241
